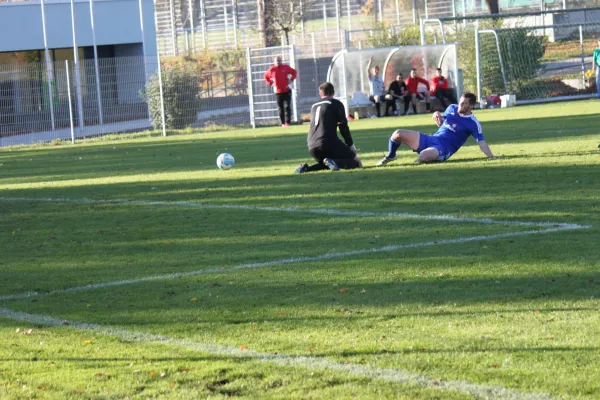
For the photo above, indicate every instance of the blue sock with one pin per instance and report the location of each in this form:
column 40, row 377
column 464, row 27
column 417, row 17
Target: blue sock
column 392, row 148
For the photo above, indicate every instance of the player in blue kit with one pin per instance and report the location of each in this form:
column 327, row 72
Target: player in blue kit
column 455, row 125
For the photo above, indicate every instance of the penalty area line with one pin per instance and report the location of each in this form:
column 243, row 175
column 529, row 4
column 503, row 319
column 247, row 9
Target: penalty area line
column 360, row 370
column 293, row 260
column 331, row 212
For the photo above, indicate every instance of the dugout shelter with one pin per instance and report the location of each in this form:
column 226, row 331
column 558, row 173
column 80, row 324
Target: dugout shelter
column 348, row 69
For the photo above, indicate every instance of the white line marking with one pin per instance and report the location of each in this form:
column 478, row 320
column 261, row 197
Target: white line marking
column 287, row 261
column 386, row 374
column 298, row 210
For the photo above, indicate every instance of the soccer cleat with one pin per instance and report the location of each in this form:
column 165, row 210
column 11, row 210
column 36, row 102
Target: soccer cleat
column 301, row 169
column 331, row 164
column 285, row 125
column 384, row 161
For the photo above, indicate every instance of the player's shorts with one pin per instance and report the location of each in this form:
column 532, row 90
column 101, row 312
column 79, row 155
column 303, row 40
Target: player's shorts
column 336, row 151
column 426, row 141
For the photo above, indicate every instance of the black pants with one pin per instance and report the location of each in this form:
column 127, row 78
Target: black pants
column 390, row 103
column 283, row 103
column 445, row 94
column 338, row 152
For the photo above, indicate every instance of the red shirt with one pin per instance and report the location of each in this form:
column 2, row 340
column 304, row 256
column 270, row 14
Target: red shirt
column 278, row 75
column 439, row 82
column 413, row 83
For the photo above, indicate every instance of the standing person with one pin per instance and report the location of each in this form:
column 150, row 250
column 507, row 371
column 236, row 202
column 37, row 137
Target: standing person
column 455, row 125
column 281, row 76
column 439, row 88
column 323, row 142
column 397, row 90
column 412, row 87
column 376, row 86
column 596, row 66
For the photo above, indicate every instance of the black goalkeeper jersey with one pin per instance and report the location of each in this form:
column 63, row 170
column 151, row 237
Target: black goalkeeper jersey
column 325, row 116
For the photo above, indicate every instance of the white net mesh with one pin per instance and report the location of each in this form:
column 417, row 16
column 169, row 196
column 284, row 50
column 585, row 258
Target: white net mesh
column 534, row 64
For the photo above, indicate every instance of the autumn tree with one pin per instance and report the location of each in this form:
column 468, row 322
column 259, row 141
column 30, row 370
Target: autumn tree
column 280, row 17
column 493, row 6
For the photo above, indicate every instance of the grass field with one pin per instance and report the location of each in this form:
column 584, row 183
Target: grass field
column 135, row 269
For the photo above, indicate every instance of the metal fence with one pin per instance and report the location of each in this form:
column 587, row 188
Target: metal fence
column 42, row 102
column 189, row 26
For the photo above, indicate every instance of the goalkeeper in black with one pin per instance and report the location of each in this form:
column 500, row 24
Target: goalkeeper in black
column 323, row 143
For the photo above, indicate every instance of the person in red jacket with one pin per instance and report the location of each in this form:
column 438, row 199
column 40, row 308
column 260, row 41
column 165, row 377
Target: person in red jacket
column 281, row 76
column 412, row 88
column 439, row 88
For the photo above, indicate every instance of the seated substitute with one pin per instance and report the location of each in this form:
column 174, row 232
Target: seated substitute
column 455, row 125
column 323, row 142
column 440, row 89
column 412, row 88
column 376, row 86
column 396, row 91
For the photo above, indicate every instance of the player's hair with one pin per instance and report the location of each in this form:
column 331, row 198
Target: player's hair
column 327, row 89
column 439, row 69
column 471, row 97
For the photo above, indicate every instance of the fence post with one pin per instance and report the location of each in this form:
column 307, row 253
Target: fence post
column 349, row 12
column 70, row 102
column 337, row 21
column 478, row 66
column 191, row 13
column 203, row 22
column 173, row 33
column 249, row 80
column 234, row 16
column 292, row 51
column 582, row 55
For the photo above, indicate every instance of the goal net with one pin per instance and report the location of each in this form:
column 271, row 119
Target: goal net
column 536, row 64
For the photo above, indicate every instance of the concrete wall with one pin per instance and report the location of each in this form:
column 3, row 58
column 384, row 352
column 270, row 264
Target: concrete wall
column 116, row 22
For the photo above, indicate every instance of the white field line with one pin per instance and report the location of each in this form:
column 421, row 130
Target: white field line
column 297, row 210
column 292, row 260
column 387, row 374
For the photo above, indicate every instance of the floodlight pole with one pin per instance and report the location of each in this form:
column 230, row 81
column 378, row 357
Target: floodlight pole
column 77, row 74
column 49, row 70
column 97, row 70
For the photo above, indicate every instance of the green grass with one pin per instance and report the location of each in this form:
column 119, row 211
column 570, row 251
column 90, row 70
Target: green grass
column 517, row 313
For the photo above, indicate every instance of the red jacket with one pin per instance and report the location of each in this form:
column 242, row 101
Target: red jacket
column 278, row 75
column 439, row 82
column 413, row 83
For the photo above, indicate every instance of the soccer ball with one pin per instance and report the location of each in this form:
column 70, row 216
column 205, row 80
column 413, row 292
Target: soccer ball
column 225, row 161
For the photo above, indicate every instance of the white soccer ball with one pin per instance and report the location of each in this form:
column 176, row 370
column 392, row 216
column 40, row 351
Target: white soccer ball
column 225, row 161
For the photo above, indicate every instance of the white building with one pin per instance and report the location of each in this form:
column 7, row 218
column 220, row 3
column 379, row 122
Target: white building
column 125, row 37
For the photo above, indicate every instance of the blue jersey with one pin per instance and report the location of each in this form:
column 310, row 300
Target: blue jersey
column 455, row 130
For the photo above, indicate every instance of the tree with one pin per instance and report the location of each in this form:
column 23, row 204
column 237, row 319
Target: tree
column 277, row 17
column 493, row 6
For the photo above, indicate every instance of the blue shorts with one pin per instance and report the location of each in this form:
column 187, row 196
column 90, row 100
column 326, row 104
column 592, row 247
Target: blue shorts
column 426, row 141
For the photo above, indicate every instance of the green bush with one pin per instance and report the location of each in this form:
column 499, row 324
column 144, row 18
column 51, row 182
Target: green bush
column 181, row 92
column 386, row 36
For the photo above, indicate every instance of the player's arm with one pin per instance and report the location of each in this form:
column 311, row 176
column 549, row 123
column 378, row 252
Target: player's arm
column 369, row 66
column 438, row 118
column 485, row 149
column 424, row 82
column 268, row 77
column 292, row 72
column 483, row 146
column 344, row 128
